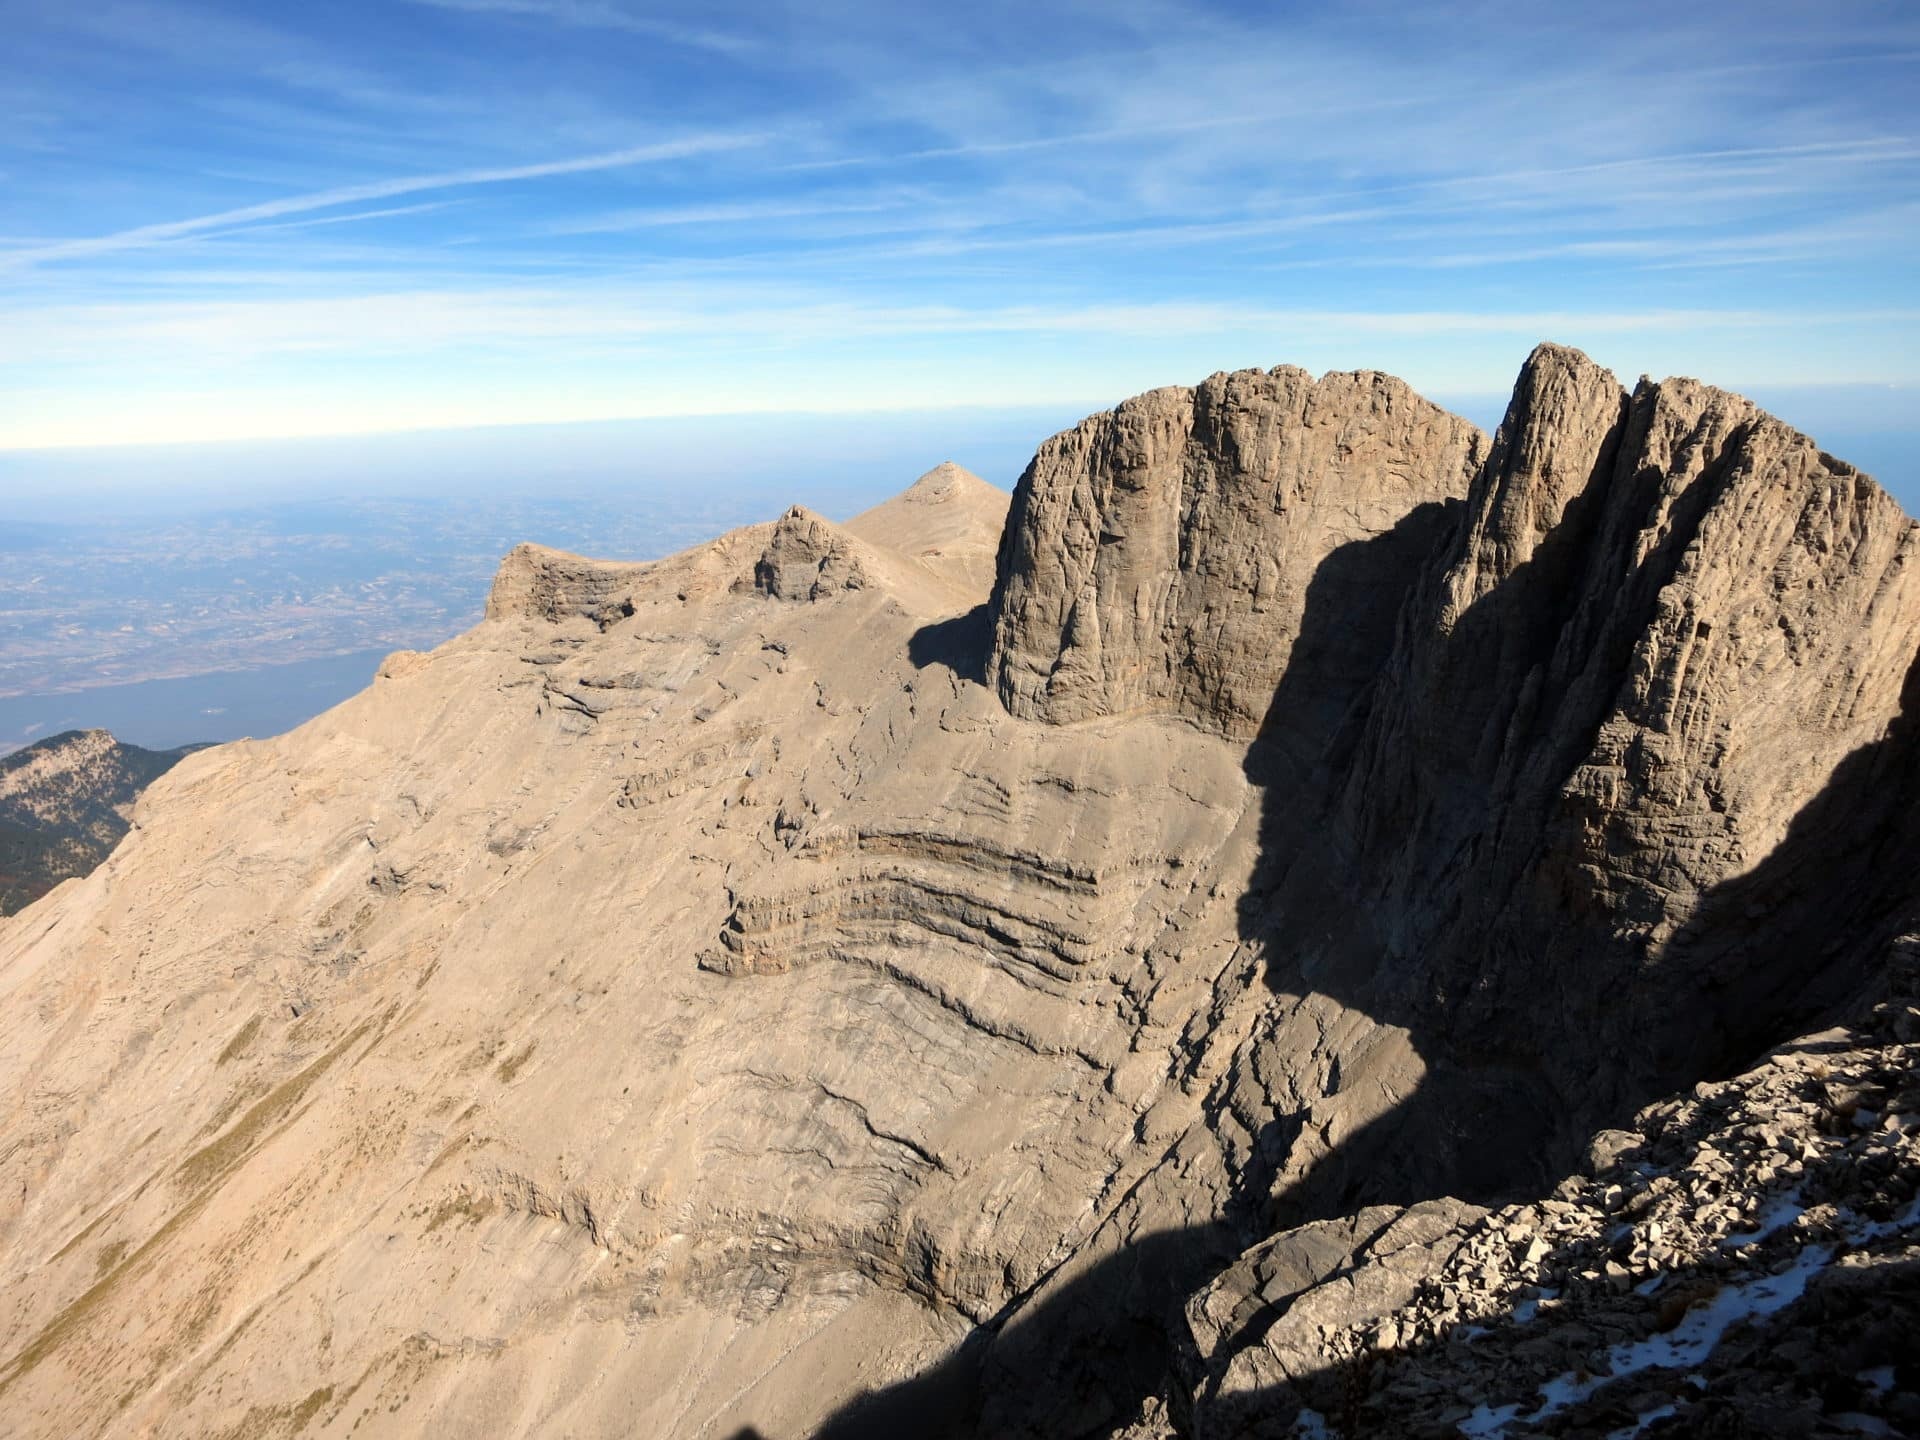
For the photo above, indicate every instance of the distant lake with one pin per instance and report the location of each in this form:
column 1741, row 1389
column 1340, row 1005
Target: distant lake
column 161, row 714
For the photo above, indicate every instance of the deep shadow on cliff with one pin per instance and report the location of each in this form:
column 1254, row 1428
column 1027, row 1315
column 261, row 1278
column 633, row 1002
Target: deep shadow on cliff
column 1780, row 1374
column 1810, row 1368
column 1791, row 938
column 1102, row 1342
column 1763, row 956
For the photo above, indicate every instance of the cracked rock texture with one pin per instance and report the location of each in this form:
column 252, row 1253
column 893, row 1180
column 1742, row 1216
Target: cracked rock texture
column 1087, row 968
column 1159, row 555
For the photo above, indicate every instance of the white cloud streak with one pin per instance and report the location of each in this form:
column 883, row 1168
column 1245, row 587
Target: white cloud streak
column 526, row 323
column 384, row 213
column 599, row 15
column 747, row 213
column 147, row 235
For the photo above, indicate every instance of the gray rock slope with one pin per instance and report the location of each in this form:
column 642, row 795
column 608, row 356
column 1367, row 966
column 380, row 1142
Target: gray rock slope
column 1739, row 1260
column 978, row 970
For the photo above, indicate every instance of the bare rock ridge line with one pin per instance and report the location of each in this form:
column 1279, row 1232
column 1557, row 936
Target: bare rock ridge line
column 1001, row 965
column 1640, row 669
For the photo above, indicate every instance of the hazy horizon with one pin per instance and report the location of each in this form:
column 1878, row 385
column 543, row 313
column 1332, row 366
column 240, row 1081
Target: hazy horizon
column 358, row 217
column 308, row 314
column 1876, row 428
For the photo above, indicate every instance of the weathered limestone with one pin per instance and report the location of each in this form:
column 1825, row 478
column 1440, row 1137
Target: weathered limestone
column 1159, row 556
column 693, row 999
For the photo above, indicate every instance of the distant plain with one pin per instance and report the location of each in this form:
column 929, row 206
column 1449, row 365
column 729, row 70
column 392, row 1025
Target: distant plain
column 177, row 594
column 202, row 593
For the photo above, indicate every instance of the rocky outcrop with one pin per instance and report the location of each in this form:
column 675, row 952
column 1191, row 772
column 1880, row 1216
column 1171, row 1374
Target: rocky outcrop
column 65, row 802
column 1518, row 876
column 1738, row 1260
column 1158, row 557
column 1642, row 745
column 807, row 559
column 1089, row 971
column 545, row 584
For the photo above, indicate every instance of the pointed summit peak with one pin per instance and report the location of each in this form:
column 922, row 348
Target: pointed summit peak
column 945, row 482
column 1562, row 371
column 1552, row 352
column 948, row 520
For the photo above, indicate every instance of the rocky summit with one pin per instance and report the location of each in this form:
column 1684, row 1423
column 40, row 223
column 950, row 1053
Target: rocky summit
column 1306, row 919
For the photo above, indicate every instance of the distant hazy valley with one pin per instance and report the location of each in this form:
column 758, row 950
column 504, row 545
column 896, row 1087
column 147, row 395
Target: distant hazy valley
column 235, row 607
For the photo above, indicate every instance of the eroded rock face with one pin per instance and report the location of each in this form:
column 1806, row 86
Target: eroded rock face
column 540, row 583
column 1737, row 1260
column 1643, row 742
column 672, row 1007
column 807, row 559
column 1159, row 556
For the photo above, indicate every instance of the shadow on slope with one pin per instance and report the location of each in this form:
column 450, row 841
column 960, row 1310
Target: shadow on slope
column 1078, row 1359
column 961, row 644
column 1108, row 1327
column 1795, row 935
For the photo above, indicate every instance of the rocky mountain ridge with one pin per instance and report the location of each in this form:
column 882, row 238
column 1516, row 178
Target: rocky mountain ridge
column 65, row 802
column 922, row 974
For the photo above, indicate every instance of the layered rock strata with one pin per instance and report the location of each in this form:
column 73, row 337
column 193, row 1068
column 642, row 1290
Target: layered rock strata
column 967, row 968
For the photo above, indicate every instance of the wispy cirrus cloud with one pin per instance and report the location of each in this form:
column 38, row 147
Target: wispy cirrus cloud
column 605, row 15
column 145, row 235
column 386, row 212
column 737, row 214
column 524, row 320
column 947, row 201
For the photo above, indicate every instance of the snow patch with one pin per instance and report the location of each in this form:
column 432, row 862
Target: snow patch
column 1488, row 1422
column 1880, row 1378
column 1778, row 1215
column 1682, row 1348
column 1641, row 1421
column 1310, row 1424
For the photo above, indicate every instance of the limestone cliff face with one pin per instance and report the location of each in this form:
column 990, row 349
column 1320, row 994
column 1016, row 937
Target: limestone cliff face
column 996, row 964
column 1560, row 742
column 1158, row 557
column 1636, row 751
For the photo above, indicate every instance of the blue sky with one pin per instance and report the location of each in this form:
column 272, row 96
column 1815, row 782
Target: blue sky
column 224, row 221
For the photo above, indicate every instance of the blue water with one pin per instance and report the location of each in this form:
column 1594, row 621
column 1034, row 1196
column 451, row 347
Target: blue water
column 161, row 714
